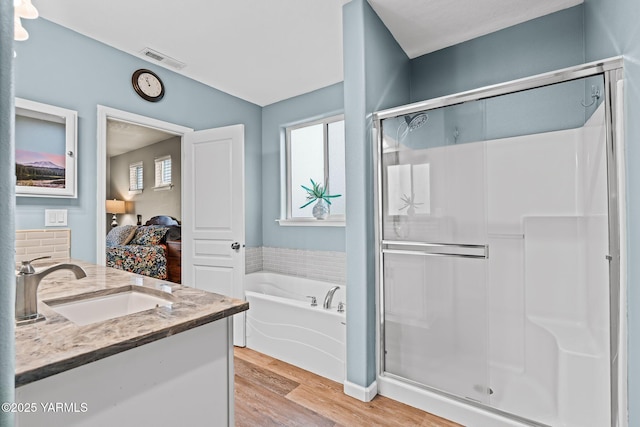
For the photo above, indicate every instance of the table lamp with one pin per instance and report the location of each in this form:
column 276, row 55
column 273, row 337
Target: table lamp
column 115, row 207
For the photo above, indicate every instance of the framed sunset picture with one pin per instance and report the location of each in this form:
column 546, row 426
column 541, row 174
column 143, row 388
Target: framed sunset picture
column 46, row 143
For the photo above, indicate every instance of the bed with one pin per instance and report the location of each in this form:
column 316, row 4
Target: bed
column 149, row 249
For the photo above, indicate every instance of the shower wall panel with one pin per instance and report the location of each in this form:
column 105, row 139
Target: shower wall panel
column 520, row 329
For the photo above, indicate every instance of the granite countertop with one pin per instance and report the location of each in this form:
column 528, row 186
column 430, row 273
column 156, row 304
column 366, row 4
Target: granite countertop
column 55, row 345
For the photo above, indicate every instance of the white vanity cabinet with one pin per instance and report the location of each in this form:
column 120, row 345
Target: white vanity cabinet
column 183, row 380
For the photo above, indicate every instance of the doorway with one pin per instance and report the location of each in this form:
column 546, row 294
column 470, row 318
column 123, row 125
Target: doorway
column 212, row 203
column 112, row 121
column 144, row 171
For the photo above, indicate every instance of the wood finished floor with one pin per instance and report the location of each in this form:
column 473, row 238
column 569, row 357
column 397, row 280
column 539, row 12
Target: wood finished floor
column 269, row 392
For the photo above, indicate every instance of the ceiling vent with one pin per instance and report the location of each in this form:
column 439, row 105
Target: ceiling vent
column 162, row 58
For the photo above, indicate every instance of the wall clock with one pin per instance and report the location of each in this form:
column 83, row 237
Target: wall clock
column 148, row 85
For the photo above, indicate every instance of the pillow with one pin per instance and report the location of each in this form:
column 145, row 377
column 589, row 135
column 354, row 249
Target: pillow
column 149, row 235
column 120, row 235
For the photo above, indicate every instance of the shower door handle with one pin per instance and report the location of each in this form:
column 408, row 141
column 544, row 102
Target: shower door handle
column 458, row 250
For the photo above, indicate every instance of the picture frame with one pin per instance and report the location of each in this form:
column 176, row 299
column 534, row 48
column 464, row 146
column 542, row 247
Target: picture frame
column 46, row 146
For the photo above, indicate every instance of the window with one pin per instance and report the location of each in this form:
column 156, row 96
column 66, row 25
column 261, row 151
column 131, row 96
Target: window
column 315, row 151
column 163, row 172
column 135, row 177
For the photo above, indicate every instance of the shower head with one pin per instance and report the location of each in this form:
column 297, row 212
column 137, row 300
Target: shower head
column 416, row 121
column 409, row 124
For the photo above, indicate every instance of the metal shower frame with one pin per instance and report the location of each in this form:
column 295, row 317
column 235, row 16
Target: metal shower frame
column 612, row 71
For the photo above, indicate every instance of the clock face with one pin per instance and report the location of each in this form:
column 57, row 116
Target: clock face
column 148, row 85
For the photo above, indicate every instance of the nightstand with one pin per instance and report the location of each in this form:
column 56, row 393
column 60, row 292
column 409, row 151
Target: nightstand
column 174, row 261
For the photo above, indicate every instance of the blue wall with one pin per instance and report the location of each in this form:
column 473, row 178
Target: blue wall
column 378, row 75
column 57, row 66
column 376, row 72
column 7, row 195
column 276, row 117
column 598, row 29
column 544, row 44
column 60, row 67
column 611, row 29
column 539, row 110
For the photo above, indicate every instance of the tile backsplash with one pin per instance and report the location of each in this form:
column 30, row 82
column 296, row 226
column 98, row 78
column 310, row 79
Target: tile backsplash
column 32, row 244
column 320, row 265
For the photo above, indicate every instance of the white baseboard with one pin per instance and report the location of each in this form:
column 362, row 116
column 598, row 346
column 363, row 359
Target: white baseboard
column 365, row 394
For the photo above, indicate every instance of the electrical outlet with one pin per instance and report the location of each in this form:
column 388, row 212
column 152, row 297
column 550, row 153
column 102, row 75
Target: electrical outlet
column 55, row 217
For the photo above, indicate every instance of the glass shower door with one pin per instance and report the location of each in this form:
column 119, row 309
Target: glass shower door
column 434, row 254
column 525, row 333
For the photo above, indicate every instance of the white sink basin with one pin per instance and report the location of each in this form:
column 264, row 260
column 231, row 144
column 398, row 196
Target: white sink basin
column 91, row 310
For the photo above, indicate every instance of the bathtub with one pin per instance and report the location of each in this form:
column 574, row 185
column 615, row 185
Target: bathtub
column 282, row 323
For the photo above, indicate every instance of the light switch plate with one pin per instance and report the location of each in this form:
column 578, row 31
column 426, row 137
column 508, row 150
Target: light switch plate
column 55, row 217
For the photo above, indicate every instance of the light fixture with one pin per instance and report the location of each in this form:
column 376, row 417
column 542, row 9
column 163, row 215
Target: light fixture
column 19, row 33
column 26, row 10
column 115, row 207
column 22, row 9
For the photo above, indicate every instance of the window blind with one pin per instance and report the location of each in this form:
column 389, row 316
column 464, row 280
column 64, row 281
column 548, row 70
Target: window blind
column 163, row 171
column 135, row 176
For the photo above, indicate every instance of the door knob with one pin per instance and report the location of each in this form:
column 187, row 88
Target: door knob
column 235, row 246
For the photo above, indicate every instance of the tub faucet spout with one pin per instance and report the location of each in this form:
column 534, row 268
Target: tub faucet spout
column 27, row 282
column 329, row 297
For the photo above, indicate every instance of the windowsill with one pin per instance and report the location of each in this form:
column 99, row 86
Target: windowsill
column 163, row 187
column 135, row 191
column 311, row 222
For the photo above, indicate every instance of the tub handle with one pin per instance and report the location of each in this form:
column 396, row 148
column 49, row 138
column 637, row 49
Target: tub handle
column 340, row 307
column 314, row 301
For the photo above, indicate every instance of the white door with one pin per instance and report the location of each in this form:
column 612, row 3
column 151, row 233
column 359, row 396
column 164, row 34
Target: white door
column 213, row 214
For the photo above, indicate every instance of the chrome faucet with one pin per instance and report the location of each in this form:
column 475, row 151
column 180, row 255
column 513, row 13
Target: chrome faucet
column 27, row 282
column 329, row 297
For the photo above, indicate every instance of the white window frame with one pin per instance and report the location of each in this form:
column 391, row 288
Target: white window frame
column 159, row 172
column 133, row 169
column 286, row 217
